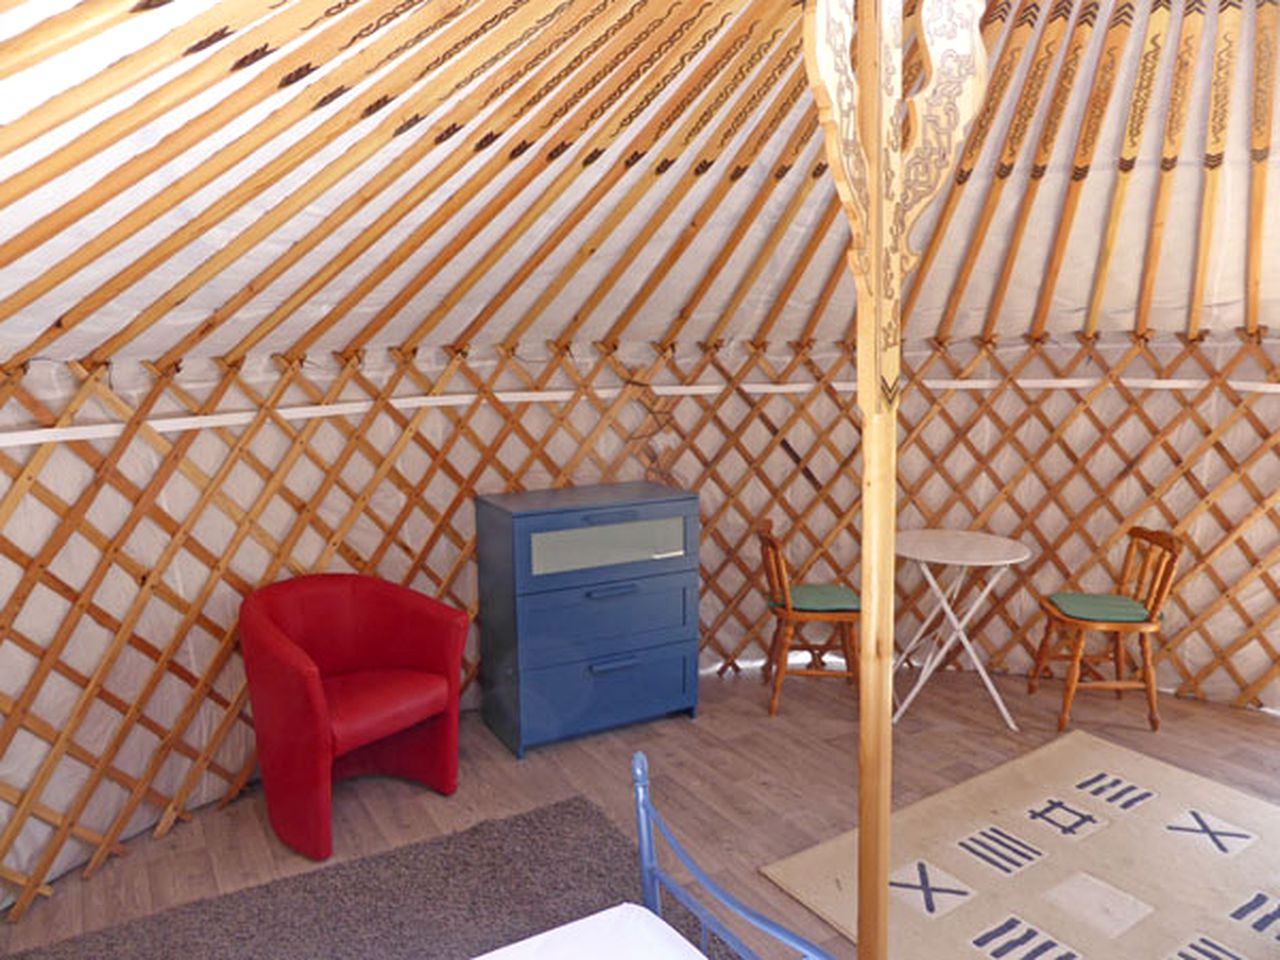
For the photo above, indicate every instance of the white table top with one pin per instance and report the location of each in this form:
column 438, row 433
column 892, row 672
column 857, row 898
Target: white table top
column 962, row 548
column 625, row 932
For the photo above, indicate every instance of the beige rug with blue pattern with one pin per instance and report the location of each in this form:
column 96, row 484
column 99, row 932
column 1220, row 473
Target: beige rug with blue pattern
column 1080, row 850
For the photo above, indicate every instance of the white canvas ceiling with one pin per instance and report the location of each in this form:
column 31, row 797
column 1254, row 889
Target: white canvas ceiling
column 138, row 250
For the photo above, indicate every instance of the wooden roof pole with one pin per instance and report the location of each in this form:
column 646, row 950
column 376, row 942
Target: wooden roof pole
column 746, row 227
column 1175, row 123
column 321, row 47
column 663, row 56
column 403, row 115
column 1043, row 57
column 1103, row 80
column 1003, row 73
column 526, row 115
column 748, row 153
column 530, row 219
column 1215, row 147
column 861, row 115
column 768, row 76
column 728, row 73
column 1142, row 94
column 174, row 144
column 215, row 27
column 818, row 235
column 1267, row 26
column 763, row 256
column 752, row 148
column 835, row 274
column 63, row 31
column 564, row 122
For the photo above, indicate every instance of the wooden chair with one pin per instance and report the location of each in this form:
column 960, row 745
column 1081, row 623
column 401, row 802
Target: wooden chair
column 1145, row 583
column 798, row 604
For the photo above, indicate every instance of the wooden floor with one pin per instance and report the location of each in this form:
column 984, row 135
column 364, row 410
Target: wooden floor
column 741, row 789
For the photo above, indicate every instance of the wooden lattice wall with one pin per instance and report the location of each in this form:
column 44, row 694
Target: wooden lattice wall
column 125, row 556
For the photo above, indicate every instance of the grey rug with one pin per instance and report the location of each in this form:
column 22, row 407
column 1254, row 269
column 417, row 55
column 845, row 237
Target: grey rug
column 453, row 897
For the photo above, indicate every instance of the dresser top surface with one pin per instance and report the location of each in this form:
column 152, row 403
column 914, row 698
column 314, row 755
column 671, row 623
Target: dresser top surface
column 584, row 498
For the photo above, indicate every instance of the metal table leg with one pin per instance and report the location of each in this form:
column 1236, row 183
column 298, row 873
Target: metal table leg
column 957, row 635
column 922, row 632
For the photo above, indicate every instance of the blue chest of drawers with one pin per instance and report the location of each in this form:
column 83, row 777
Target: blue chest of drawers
column 588, row 608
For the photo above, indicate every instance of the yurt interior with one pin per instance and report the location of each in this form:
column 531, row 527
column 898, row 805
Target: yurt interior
column 640, row 479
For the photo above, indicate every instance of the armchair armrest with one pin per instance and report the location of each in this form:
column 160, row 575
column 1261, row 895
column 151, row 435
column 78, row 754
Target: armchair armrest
column 284, row 683
column 428, row 635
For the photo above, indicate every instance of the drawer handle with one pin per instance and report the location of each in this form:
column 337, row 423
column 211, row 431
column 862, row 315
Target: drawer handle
column 667, row 554
column 617, row 590
column 612, row 516
column 615, row 665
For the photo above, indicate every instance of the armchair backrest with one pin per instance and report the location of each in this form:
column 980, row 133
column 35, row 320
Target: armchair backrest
column 343, row 622
column 1149, row 564
column 314, row 612
column 347, row 622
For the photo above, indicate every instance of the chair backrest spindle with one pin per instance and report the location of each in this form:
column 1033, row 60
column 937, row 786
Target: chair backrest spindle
column 1149, row 565
column 775, row 567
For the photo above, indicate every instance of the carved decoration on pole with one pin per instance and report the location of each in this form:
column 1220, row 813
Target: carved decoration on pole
column 890, row 157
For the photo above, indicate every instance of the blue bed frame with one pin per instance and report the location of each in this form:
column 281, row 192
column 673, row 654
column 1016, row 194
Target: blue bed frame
column 654, row 880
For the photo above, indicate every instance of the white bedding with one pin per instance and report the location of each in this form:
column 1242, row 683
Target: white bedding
column 625, row 932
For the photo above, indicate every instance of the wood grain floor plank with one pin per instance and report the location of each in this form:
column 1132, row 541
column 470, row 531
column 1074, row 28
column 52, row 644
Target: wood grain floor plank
column 740, row 789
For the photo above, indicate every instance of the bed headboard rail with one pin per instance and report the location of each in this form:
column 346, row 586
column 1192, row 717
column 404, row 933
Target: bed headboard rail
column 654, row 879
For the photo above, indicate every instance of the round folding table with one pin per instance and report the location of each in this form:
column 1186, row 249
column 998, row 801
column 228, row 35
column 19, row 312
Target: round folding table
column 968, row 551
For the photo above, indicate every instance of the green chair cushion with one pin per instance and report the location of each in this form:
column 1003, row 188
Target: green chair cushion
column 1105, row 607
column 824, row 598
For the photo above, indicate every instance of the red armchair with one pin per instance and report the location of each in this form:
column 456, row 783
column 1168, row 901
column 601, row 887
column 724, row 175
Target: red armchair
column 348, row 676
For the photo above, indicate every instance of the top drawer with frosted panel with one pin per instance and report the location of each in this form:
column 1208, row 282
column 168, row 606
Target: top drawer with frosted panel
column 589, row 535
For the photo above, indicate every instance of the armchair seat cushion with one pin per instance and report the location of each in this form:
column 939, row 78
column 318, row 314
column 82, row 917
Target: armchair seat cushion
column 1100, row 607
column 371, row 704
